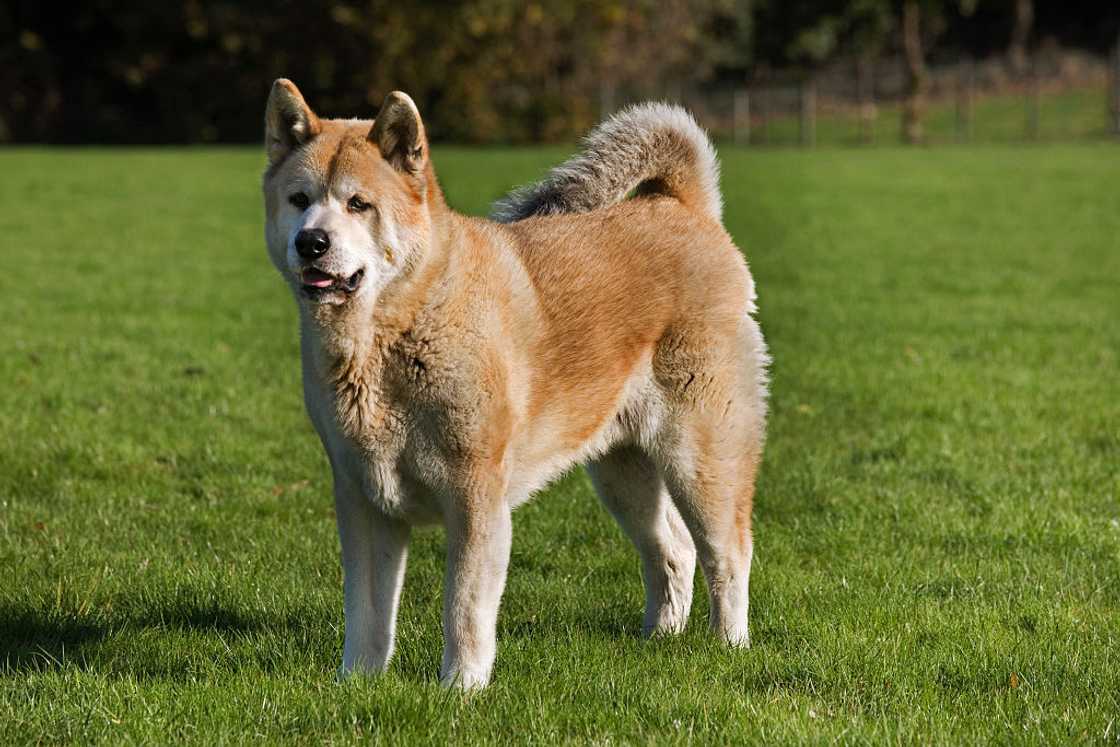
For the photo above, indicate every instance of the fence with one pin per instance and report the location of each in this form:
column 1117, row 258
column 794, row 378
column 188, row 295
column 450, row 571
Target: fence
column 1054, row 96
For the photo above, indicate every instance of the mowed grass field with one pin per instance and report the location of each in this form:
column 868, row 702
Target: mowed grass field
column 937, row 521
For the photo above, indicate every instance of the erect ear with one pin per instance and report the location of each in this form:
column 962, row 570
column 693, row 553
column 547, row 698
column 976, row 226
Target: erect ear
column 399, row 134
column 288, row 120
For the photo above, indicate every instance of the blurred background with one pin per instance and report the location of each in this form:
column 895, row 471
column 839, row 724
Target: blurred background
column 499, row 71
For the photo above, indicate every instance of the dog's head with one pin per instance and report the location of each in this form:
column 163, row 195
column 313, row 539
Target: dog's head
column 346, row 201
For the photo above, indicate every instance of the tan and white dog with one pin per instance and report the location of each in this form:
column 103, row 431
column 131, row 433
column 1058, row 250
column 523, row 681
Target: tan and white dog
column 453, row 365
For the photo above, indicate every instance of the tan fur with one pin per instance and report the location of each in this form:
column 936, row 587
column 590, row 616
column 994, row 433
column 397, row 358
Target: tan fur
column 478, row 360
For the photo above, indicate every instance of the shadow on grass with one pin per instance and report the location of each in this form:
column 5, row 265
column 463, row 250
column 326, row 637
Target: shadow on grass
column 36, row 640
column 32, row 643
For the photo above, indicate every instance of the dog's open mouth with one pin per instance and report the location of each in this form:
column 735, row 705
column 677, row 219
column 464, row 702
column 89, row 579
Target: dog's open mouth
column 315, row 282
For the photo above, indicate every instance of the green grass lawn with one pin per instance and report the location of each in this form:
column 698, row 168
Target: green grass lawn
column 937, row 522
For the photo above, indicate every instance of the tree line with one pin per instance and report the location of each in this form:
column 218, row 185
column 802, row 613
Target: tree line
column 123, row 71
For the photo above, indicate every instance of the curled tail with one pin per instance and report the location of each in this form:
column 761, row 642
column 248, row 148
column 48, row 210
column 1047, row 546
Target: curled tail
column 651, row 148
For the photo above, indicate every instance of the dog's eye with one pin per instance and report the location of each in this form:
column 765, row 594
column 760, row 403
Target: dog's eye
column 357, row 205
column 299, row 200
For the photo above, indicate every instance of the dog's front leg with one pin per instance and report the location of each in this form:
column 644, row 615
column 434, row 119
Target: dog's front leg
column 374, row 552
column 478, row 547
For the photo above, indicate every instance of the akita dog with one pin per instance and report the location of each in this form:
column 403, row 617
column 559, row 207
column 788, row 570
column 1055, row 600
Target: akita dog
column 452, row 366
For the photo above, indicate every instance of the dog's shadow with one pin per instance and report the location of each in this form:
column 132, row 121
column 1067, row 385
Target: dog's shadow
column 37, row 640
column 30, row 642
column 44, row 639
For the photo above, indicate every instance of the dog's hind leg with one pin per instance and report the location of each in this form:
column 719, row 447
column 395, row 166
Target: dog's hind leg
column 632, row 490
column 711, row 479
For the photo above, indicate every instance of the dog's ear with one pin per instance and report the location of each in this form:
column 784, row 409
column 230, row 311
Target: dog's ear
column 288, row 120
column 399, row 134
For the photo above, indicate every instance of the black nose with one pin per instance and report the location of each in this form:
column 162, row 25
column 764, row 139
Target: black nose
column 312, row 243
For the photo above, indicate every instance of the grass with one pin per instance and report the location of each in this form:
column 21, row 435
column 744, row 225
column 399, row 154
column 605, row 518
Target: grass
column 938, row 516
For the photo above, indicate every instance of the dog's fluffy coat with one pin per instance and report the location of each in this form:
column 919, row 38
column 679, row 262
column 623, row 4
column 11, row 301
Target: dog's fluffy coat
column 464, row 363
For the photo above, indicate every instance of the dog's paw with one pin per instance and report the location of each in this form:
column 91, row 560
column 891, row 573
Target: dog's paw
column 737, row 638
column 465, row 679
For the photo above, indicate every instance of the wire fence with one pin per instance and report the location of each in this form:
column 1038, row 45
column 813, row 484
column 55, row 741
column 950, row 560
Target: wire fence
column 1052, row 96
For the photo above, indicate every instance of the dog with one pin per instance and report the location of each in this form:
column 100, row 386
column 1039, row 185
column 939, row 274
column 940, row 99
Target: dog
column 452, row 365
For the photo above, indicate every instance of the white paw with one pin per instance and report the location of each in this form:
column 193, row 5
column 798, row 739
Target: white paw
column 737, row 638
column 466, row 678
column 664, row 625
column 350, row 670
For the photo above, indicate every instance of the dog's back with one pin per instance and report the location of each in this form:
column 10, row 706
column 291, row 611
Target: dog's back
column 614, row 273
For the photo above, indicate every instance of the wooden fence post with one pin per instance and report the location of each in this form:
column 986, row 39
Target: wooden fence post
column 741, row 117
column 808, row 119
column 865, row 77
column 761, row 102
column 606, row 99
column 1033, row 100
column 964, row 101
column 1116, row 88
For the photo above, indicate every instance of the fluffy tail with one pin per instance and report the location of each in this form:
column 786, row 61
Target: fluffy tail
column 650, row 148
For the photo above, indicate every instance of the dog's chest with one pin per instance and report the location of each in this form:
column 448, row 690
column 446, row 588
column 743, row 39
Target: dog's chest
column 380, row 464
column 396, row 439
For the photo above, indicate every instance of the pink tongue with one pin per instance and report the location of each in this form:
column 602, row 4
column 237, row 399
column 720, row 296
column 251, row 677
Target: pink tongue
column 317, row 279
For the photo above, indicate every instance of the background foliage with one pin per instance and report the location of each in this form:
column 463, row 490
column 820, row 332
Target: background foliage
column 125, row 71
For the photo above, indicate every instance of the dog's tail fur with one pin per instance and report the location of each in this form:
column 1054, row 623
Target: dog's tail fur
column 647, row 149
